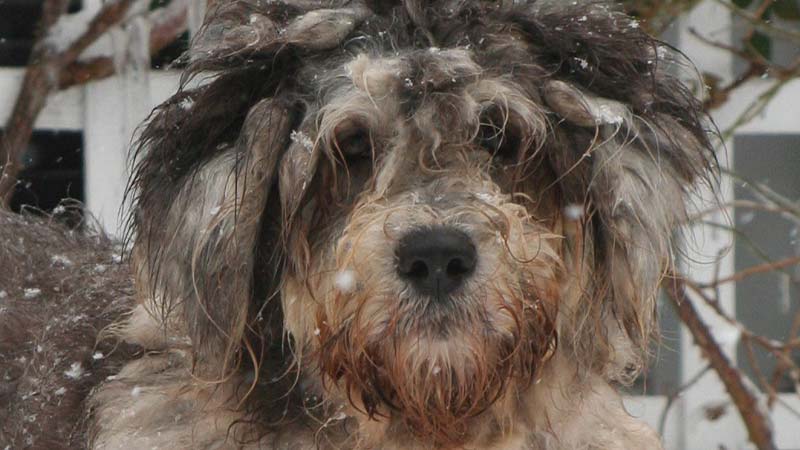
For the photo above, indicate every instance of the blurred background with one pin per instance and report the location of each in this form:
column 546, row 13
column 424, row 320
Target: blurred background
column 77, row 77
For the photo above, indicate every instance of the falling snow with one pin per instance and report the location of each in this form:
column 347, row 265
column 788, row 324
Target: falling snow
column 345, row 281
column 75, row 371
column 60, row 260
column 573, row 211
column 31, row 293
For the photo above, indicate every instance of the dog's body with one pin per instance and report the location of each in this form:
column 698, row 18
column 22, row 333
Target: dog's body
column 398, row 226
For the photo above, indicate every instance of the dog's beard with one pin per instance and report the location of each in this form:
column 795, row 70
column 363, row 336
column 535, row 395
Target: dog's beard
column 436, row 367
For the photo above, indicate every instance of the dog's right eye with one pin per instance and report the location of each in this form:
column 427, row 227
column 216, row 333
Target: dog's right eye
column 501, row 141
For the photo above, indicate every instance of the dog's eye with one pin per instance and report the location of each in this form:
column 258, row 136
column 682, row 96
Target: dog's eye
column 501, row 141
column 355, row 145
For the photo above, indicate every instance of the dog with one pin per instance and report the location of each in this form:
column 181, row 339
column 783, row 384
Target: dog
column 402, row 225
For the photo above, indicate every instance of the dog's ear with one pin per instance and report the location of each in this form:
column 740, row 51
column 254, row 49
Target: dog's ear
column 642, row 168
column 201, row 260
column 207, row 221
column 628, row 143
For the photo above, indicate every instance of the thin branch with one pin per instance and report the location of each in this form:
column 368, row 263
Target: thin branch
column 768, row 195
column 781, row 367
column 676, row 394
column 740, row 204
column 761, row 268
column 746, row 402
column 761, row 25
column 755, row 108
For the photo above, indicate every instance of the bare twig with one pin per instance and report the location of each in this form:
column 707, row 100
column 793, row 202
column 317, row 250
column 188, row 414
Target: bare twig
column 676, row 394
column 757, row 425
column 761, row 268
column 782, row 366
column 761, row 25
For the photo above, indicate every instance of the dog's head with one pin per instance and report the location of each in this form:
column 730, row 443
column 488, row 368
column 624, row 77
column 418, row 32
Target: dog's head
column 428, row 201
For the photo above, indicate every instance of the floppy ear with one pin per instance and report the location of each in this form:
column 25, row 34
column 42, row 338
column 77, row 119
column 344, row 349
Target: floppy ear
column 205, row 215
column 296, row 177
column 641, row 169
column 203, row 258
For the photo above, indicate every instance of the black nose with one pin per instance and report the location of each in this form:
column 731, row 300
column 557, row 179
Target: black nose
column 436, row 260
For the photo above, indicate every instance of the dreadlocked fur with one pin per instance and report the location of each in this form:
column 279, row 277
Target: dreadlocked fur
column 310, row 139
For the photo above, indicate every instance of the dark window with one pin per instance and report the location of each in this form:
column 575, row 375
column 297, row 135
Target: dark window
column 18, row 21
column 52, row 172
column 767, row 303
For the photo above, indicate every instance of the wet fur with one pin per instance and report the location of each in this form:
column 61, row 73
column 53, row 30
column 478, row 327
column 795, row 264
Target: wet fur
column 252, row 193
column 59, row 287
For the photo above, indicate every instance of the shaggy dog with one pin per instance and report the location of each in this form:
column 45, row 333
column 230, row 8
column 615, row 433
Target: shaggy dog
column 401, row 225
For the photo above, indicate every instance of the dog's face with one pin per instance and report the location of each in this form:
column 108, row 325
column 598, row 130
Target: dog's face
column 424, row 224
column 432, row 278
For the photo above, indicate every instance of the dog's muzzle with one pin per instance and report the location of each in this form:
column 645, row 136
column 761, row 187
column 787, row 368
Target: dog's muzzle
column 436, row 261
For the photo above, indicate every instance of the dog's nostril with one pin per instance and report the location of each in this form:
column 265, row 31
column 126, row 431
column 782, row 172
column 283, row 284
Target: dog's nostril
column 418, row 269
column 458, row 267
column 436, row 260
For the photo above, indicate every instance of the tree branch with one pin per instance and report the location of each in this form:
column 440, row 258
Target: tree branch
column 168, row 24
column 51, row 70
column 40, row 79
column 746, row 402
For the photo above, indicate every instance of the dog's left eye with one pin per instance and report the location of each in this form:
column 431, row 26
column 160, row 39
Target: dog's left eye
column 355, row 145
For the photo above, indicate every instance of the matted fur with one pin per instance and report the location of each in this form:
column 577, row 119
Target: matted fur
column 58, row 288
column 270, row 199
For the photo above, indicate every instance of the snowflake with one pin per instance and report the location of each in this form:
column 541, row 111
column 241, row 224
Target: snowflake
column 573, row 211
column 60, row 260
column 345, row 281
column 31, row 293
column 75, row 371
